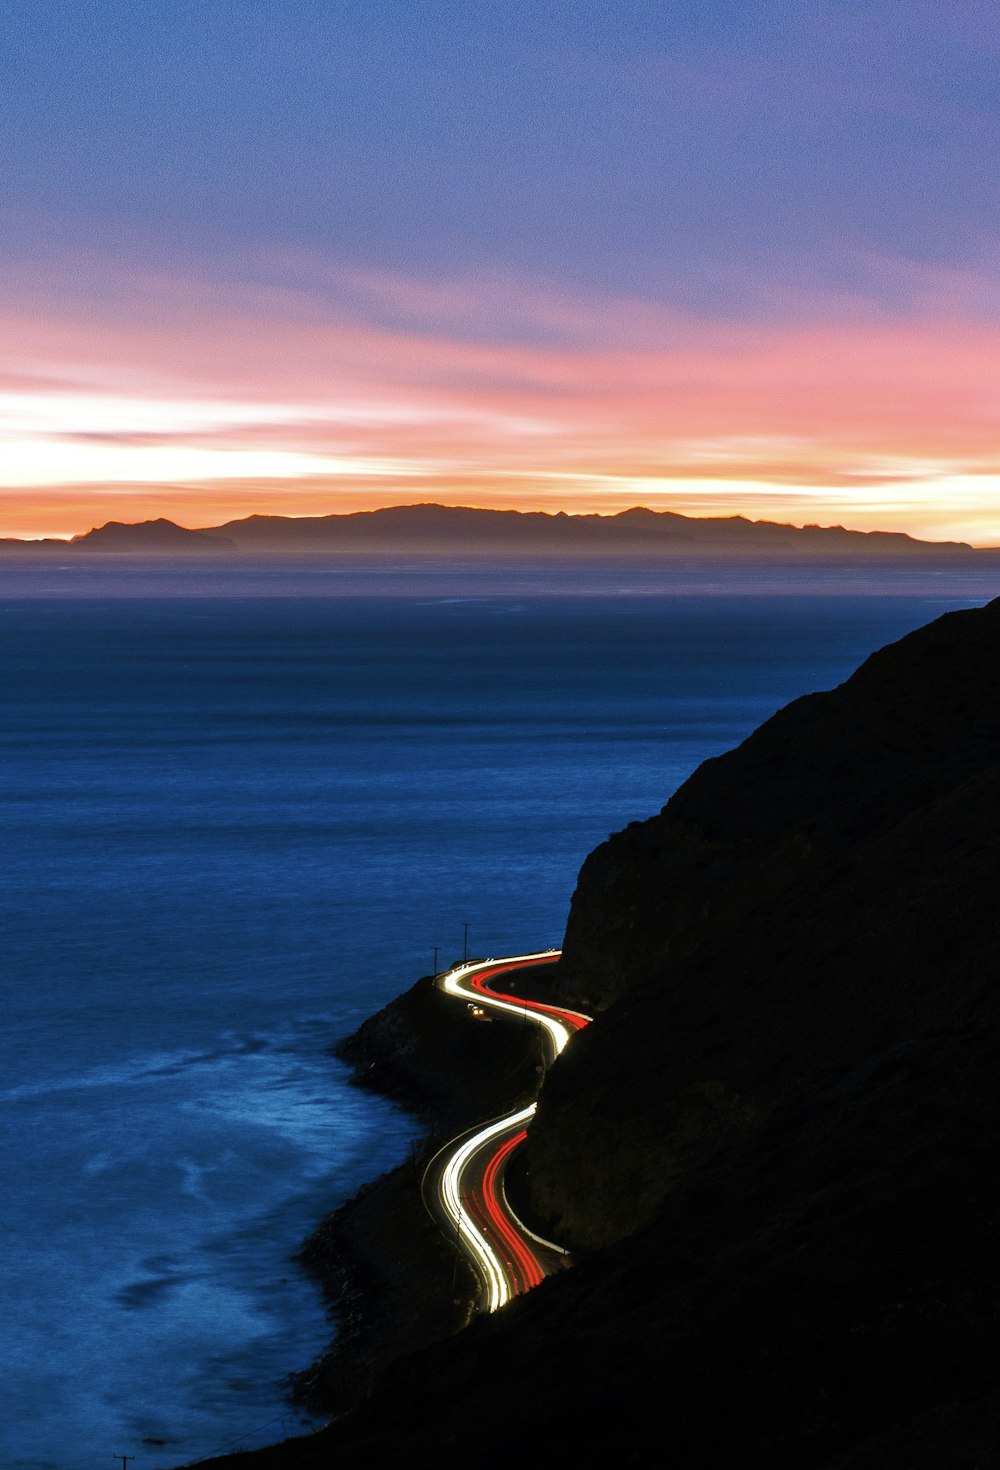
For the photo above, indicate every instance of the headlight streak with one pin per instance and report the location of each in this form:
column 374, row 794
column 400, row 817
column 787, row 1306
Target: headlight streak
column 559, row 1024
column 497, row 1242
column 472, row 1237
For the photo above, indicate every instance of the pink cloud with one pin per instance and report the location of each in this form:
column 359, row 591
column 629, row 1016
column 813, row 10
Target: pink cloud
column 616, row 388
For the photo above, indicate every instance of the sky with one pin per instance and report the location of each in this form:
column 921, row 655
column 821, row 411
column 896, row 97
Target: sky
column 305, row 256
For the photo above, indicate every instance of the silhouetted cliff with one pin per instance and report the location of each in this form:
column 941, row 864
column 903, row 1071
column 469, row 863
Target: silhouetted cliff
column 775, row 1148
column 821, row 890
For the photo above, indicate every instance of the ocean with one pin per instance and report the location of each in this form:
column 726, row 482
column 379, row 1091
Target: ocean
column 235, row 825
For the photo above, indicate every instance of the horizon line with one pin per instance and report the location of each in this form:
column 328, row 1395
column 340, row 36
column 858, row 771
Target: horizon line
column 70, row 538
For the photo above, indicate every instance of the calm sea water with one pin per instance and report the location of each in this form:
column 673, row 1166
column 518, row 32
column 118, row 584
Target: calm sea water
column 232, row 828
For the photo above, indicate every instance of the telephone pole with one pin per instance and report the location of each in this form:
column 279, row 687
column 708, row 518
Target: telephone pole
column 436, row 948
column 465, row 943
column 124, row 1459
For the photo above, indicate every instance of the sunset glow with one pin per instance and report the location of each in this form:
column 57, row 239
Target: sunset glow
column 210, row 408
column 674, row 264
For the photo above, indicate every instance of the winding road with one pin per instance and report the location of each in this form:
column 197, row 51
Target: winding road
column 463, row 1185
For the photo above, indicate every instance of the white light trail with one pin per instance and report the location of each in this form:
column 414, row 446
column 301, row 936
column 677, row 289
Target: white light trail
column 558, row 1033
column 498, row 1291
column 490, row 1267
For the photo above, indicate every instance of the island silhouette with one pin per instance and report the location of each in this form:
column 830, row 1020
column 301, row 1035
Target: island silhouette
column 443, row 530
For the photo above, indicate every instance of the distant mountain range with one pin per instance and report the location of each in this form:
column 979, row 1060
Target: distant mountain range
column 437, row 530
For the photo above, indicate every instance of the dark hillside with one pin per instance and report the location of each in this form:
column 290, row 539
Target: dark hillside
column 776, row 1148
column 822, row 890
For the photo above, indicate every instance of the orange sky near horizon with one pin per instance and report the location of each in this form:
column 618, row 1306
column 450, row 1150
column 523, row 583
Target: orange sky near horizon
column 67, row 511
column 204, row 403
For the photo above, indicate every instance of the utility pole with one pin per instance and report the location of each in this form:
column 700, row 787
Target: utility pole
column 436, row 948
column 465, row 943
column 124, row 1459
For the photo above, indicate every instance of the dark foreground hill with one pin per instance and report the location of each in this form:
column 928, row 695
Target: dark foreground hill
column 776, row 1149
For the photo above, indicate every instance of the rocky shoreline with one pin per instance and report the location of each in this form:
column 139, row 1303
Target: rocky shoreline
column 392, row 1281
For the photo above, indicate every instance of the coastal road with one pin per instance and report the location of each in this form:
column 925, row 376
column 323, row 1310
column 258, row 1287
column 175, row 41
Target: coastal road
column 463, row 1185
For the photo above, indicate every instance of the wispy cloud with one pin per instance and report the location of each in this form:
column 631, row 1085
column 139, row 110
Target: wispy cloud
column 320, row 387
